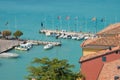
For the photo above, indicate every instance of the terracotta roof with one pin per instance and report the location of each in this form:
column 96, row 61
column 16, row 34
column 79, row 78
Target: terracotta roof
column 97, row 54
column 111, row 29
column 110, row 70
column 102, row 41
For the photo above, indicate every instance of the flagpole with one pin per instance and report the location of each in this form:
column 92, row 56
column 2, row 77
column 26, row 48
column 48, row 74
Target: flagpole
column 68, row 25
column 60, row 24
column 45, row 23
column 15, row 23
column 53, row 22
column 76, row 23
column 96, row 26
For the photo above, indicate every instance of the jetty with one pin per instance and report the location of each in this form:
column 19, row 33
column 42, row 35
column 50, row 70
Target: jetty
column 60, row 32
column 38, row 42
column 6, row 45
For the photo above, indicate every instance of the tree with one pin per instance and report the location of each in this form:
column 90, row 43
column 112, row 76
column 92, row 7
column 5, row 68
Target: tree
column 80, row 76
column 6, row 33
column 47, row 69
column 17, row 34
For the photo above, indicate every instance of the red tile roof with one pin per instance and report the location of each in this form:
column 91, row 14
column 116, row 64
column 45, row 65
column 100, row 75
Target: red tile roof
column 111, row 29
column 110, row 70
column 102, row 41
column 97, row 54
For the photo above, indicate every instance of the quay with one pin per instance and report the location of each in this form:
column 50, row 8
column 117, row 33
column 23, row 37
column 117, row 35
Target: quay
column 38, row 42
column 6, row 45
column 60, row 32
column 68, row 35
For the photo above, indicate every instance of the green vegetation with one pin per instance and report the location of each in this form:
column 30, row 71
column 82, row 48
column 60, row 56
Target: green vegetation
column 80, row 76
column 46, row 69
column 17, row 34
column 6, row 33
column 54, row 69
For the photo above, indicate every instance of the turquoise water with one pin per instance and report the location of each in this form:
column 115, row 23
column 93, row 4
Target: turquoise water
column 27, row 15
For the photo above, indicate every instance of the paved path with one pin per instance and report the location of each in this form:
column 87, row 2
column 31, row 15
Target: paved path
column 6, row 45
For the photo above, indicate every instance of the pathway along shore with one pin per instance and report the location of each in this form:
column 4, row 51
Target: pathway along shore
column 6, row 45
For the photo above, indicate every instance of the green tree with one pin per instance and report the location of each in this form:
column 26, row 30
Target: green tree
column 6, row 33
column 80, row 76
column 47, row 69
column 17, row 34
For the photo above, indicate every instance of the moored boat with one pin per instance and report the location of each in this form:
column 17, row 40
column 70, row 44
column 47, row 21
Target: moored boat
column 48, row 46
column 21, row 48
column 8, row 55
column 24, row 47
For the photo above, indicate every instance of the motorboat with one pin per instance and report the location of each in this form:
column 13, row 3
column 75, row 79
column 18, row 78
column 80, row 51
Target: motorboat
column 8, row 55
column 21, row 48
column 24, row 47
column 48, row 46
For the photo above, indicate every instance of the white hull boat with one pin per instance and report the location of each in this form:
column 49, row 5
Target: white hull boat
column 48, row 46
column 21, row 48
column 8, row 55
column 24, row 47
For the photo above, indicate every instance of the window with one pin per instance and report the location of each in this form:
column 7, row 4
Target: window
column 116, row 77
column 116, row 52
column 104, row 58
column 118, row 67
column 110, row 48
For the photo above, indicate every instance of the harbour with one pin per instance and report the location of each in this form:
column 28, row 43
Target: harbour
column 74, row 16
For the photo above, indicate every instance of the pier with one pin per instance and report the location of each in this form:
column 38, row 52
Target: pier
column 6, row 45
column 38, row 42
column 60, row 32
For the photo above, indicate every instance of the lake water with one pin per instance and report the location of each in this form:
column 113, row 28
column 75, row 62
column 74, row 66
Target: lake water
column 27, row 16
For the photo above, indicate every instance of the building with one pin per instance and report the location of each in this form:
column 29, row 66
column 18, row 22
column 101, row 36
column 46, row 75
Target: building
column 101, row 55
column 108, row 37
column 93, row 66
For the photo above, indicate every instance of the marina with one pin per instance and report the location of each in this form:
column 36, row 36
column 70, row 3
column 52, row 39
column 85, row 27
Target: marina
column 62, row 23
column 67, row 34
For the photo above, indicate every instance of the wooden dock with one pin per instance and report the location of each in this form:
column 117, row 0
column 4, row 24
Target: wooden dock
column 38, row 42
